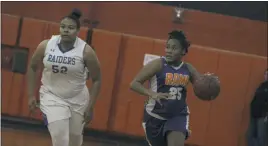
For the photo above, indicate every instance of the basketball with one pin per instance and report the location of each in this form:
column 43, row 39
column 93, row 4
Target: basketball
column 207, row 87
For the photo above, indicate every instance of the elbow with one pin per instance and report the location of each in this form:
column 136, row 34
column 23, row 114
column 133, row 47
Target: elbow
column 133, row 85
column 32, row 68
column 95, row 76
column 97, row 80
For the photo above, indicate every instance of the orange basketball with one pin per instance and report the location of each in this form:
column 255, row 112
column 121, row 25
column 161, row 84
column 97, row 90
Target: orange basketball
column 207, row 87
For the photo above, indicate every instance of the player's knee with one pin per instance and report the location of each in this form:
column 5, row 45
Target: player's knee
column 59, row 135
column 76, row 139
column 59, row 138
column 175, row 138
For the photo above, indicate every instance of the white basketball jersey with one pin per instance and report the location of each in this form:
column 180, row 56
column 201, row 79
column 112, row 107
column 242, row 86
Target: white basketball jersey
column 64, row 74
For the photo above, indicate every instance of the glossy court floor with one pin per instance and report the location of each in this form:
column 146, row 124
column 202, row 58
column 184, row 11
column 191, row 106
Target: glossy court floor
column 21, row 132
column 17, row 132
column 13, row 137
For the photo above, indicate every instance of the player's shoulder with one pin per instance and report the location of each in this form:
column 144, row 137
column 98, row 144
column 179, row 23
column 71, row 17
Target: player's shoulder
column 44, row 41
column 54, row 38
column 152, row 60
column 188, row 65
column 43, row 44
column 81, row 40
column 47, row 42
column 155, row 62
column 156, row 65
column 88, row 49
column 80, row 43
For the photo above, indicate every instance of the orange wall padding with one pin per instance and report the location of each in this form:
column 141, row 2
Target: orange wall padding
column 222, row 122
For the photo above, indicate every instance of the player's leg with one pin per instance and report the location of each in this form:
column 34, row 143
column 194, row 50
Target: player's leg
column 76, row 129
column 78, row 107
column 59, row 132
column 252, row 132
column 153, row 129
column 175, row 138
column 176, row 130
column 57, row 120
column 261, row 131
column 56, row 116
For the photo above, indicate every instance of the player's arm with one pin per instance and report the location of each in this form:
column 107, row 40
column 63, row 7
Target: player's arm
column 194, row 73
column 93, row 65
column 34, row 65
column 146, row 73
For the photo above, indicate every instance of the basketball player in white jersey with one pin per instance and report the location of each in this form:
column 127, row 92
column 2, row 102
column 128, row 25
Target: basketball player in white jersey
column 64, row 97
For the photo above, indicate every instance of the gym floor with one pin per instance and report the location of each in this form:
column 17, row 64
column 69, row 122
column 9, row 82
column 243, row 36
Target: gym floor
column 25, row 132
column 16, row 137
column 18, row 132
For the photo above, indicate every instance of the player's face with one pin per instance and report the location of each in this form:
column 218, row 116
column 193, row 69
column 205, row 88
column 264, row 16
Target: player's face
column 174, row 50
column 68, row 30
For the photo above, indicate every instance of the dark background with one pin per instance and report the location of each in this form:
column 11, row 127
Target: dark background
column 251, row 10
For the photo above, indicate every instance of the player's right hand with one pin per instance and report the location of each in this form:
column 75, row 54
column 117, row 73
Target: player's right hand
column 213, row 75
column 159, row 96
column 32, row 103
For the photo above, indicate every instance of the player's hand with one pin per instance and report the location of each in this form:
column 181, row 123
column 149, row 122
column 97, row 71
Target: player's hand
column 32, row 103
column 209, row 74
column 213, row 75
column 189, row 133
column 88, row 116
column 159, row 96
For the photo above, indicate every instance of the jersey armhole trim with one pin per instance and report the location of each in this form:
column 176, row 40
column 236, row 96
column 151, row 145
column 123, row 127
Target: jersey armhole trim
column 83, row 51
column 191, row 74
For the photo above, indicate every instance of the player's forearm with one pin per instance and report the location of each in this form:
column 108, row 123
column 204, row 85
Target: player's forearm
column 31, row 81
column 139, row 88
column 94, row 92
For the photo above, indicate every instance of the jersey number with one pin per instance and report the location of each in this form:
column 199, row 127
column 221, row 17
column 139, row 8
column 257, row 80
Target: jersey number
column 56, row 69
column 175, row 93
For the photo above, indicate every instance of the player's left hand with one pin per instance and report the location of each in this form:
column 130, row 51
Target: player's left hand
column 88, row 116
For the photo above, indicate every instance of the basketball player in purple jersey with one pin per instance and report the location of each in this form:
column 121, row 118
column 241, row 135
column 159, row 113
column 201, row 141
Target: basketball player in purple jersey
column 166, row 114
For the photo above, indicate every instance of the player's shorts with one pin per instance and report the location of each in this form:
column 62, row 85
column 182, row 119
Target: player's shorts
column 55, row 108
column 156, row 130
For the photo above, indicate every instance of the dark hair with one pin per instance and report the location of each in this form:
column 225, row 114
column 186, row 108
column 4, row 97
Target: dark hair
column 179, row 35
column 75, row 15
